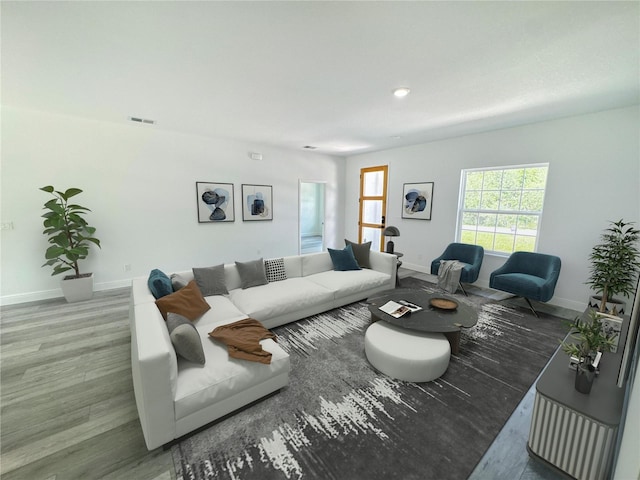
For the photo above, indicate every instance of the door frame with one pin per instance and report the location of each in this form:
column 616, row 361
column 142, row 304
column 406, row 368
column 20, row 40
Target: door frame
column 324, row 212
column 383, row 198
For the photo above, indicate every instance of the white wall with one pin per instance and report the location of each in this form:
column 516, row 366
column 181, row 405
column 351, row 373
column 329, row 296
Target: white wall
column 594, row 167
column 139, row 182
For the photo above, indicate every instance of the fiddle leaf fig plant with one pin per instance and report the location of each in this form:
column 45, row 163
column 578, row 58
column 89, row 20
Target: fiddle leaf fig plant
column 69, row 233
column 615, row 262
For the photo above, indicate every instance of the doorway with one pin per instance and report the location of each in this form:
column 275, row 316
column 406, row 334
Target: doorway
column 373, row 205
column 311, row 220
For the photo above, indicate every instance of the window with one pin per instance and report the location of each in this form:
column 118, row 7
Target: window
column 501, row 208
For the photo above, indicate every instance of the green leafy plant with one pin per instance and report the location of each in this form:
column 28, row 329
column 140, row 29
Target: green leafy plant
column 588, row 339
column 615, row 262
column 69, row 234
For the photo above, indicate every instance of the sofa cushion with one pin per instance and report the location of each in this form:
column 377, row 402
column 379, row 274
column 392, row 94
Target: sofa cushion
column 159, row 283
column 185, row 338
column 279, row 298
column 344, row 284
column 210, row 280
column 343, row 260
column 315, row 263
column 275, row 270
column 361, row 252
column 517, row 283
column 187, row 301
column 222, row 377
column 252, row 274
column 222, row 311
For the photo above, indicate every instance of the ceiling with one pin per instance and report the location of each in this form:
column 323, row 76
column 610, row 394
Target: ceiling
column 298, row 73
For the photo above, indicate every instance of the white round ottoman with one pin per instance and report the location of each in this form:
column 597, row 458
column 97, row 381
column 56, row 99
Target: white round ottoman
column 406, row 354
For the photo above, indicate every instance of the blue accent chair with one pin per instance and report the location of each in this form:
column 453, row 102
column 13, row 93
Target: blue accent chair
column 470, row 255
column 532, row 276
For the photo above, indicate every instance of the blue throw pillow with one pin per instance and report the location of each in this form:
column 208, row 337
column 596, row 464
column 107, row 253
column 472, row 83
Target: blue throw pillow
column 159, row 283
column 343, row 259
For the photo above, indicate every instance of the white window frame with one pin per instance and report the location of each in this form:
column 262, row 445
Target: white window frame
column 462, row 210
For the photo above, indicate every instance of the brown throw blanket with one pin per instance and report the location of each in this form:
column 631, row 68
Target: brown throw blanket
column 243, row 339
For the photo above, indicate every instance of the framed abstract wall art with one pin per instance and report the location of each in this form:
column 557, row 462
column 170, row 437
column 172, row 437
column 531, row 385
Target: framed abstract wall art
column 417, row 200
column 257, row 202
column 215, row 202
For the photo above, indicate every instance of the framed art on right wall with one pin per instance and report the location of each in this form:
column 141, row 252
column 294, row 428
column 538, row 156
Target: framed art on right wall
column 417, row 200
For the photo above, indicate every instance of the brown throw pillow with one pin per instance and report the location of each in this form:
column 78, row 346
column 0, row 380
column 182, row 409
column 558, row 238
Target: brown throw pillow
column 187, row 301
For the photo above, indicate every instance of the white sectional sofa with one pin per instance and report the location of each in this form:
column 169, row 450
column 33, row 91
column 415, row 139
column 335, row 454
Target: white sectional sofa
column 175, row 396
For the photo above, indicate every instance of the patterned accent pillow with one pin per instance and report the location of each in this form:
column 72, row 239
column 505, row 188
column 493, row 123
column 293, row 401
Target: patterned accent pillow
column 275, row 270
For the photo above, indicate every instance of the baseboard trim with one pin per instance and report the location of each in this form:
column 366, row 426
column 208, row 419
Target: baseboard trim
column 57, row 293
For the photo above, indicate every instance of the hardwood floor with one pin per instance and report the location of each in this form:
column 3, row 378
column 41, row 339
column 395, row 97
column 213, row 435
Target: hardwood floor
column 67, row 404
column 68, row 409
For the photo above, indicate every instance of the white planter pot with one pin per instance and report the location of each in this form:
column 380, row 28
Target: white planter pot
column 613, row 307
column 77, row 289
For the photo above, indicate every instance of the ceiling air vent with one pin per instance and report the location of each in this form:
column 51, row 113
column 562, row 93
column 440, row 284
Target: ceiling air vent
column 142, row 120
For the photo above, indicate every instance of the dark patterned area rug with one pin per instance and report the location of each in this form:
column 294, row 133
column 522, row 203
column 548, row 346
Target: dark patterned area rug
column 341, row 419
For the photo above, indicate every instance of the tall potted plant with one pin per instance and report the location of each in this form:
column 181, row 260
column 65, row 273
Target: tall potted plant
column 70, row 237
column 614, row 266
column 586, row 340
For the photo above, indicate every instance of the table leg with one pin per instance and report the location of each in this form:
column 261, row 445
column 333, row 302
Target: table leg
column 454, row 341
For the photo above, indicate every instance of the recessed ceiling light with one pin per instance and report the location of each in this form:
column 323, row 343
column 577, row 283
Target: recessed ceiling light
column 401, row 91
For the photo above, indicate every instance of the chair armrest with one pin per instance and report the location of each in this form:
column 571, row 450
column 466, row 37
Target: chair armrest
column 435, row 264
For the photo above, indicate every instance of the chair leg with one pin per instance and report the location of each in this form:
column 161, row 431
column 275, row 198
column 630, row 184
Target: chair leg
column 463, row 290
column 531, row 307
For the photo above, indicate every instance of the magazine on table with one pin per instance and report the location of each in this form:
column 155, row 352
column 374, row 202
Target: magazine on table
column 399, row 308
column 412, row 306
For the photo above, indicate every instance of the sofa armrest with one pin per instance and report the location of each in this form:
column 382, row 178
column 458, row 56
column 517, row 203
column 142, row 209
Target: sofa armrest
column 385, row 263
column 154, row 369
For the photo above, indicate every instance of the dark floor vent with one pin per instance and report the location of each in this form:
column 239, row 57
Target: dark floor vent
column 142, row 120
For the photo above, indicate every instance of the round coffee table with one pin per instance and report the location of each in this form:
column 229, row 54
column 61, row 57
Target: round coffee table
column 429, row 319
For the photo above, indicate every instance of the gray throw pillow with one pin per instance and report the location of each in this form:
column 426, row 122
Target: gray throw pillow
column 361, row 252
column 178, row 281
column 185, row 338
column 252, row 273
column 210, row 280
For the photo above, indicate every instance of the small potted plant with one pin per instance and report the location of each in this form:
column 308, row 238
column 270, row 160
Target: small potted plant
column 587, row 339
column 70, row 237
column 614, row 265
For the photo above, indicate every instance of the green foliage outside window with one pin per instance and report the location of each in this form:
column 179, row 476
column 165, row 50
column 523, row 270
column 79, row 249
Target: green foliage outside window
column 501, row 208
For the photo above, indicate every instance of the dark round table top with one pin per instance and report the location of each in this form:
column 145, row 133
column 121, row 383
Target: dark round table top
column 429, row 319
